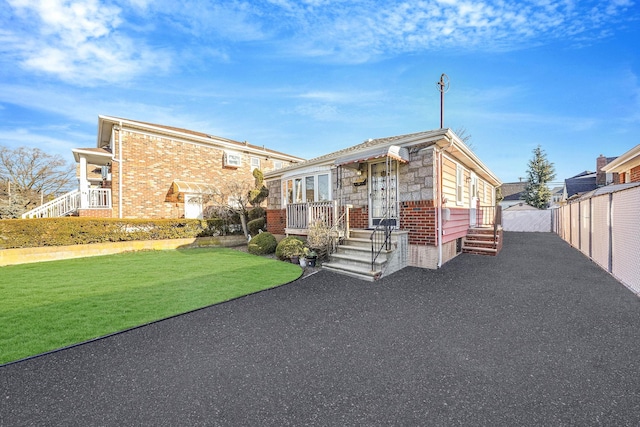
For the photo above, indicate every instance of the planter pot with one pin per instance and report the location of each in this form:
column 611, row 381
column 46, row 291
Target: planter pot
column 303, row 262
column 311, row 262
column 295, row 259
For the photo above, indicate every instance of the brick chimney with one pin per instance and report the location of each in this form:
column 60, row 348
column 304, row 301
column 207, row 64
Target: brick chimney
column 601, row 177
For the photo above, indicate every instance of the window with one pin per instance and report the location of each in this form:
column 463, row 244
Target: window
column 232, row 159
column 311, row 188
column 459, row 184
column 323, row 187
column 297, row 190
column 277, row 164
column 255, row 163
column 288, row 191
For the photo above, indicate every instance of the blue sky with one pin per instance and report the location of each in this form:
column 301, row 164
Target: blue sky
column 311, row 77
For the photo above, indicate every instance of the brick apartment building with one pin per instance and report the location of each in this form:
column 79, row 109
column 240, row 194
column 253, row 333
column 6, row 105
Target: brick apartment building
column 144, row 170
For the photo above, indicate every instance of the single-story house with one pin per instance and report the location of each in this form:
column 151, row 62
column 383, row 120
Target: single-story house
column 512, row 193
column 145, row 170
column 429, row 187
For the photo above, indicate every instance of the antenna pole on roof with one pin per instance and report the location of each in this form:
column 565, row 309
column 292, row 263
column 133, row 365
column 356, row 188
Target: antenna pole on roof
column 443, row 87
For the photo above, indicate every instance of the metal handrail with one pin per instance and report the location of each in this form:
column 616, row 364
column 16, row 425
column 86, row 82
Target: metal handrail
column 340, row 224
column 497, row 221
column 381, row 244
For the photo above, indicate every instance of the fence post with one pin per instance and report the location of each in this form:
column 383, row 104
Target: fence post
column 610, row 215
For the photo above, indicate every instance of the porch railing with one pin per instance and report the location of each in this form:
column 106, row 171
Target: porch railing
column 487, row 216
column 300, row 215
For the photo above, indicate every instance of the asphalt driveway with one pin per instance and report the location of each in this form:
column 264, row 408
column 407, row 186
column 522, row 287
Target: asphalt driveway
column 536, row 336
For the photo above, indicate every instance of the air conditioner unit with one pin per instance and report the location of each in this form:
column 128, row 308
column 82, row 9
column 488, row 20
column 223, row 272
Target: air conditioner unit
column 232, row 159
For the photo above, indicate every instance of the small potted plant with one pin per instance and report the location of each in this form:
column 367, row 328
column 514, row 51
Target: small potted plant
column 311, row 257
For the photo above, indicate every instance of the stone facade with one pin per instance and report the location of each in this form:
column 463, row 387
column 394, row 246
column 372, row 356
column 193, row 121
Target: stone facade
column 417, row 177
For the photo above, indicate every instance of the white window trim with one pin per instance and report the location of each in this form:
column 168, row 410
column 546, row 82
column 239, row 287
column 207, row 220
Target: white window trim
column 459, row 185
column 254, row 159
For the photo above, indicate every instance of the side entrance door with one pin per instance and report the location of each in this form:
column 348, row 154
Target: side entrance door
column 193, row 206
column 473, row 199
column 383, row 193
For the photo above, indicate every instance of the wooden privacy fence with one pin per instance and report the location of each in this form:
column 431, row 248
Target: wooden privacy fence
column 605, row 226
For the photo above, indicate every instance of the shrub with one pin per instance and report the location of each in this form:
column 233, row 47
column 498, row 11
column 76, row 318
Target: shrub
column 319, row 238
column 255, row 226
column 263, row 244
column 289, row 246
column 25, row 233
column 257, row 212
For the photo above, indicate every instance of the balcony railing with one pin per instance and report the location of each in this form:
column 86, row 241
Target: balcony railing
column 99, row 198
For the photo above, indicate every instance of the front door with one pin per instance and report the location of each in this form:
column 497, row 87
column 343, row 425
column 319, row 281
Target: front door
column 383, row 193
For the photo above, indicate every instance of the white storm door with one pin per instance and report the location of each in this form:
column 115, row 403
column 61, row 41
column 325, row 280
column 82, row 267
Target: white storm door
column 193, row 206
column 473, row 199
column 383, row 192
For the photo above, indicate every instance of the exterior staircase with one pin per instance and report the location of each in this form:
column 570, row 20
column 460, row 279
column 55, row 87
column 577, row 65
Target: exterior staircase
column 64, row 205
column 481, row 241
column 353, row 257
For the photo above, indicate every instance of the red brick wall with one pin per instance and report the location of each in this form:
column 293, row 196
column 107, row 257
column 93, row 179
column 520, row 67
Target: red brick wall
column 635, row 174
column 420, row 219
column 621, row 178
column 276, row 221
column 359, row 217
column 151, row 163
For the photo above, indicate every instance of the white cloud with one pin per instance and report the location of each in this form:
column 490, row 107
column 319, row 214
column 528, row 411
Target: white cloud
column 77, row 42
column 361, row 30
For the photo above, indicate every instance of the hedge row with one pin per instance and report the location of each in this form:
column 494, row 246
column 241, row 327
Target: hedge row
column 27, row 233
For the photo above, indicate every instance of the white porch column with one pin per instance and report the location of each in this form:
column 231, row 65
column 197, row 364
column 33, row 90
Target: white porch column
column 84, row 183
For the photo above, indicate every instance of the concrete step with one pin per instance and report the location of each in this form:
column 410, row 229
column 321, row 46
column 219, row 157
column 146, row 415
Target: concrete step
column 366, row 234
column 357, row 260
column 479, row 249
column 360, row 251
column 352, row 271
column 356, row 241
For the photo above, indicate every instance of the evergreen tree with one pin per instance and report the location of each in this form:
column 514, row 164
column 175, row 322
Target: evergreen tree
column 540, row 172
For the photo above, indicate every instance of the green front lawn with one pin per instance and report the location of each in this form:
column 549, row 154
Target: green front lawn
column 49, row 305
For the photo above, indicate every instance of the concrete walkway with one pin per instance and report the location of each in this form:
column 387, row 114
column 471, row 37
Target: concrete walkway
column 536, row 336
